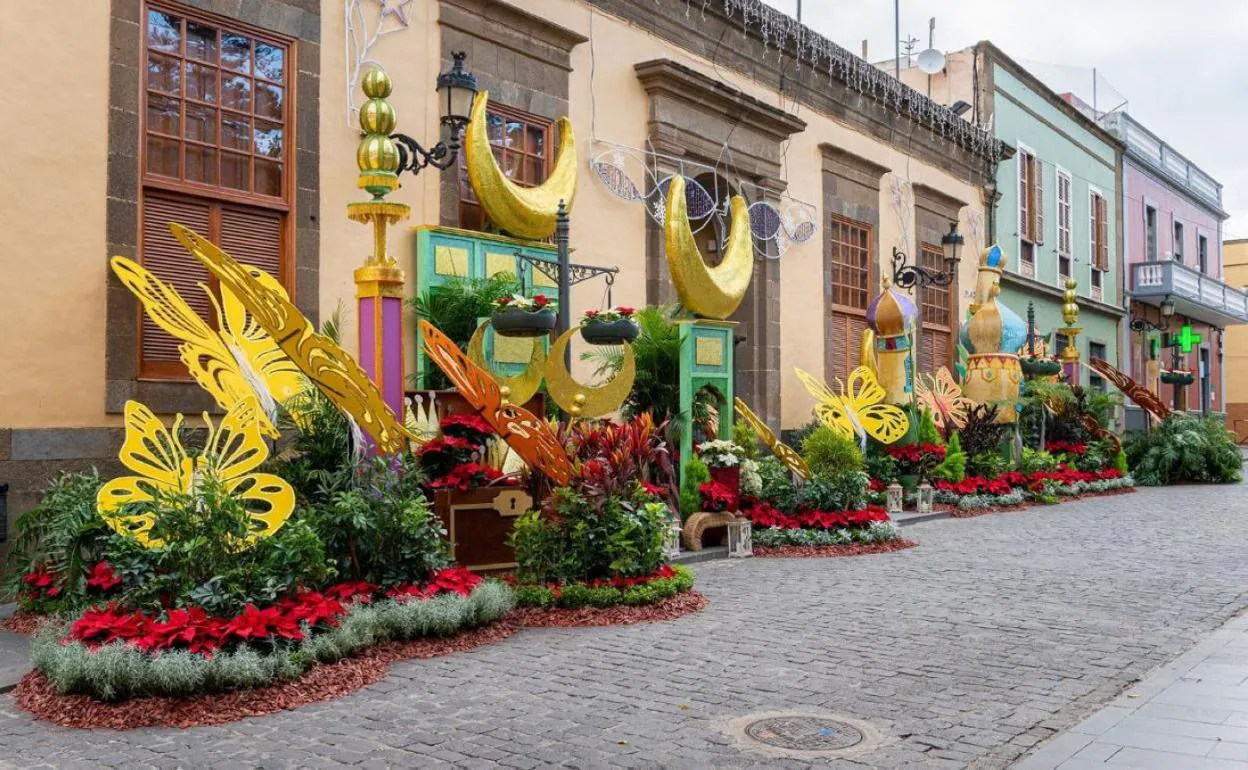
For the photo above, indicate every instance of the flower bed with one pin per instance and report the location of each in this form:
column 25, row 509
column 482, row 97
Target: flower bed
column 668, row 581
column 817, row 551
column 835, row 533
column 1014, row 489
column 111, row 654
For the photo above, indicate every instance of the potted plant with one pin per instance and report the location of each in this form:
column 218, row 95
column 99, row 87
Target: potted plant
column 520, row 316
column 915, row 462
column 1039, row 366
column 1178, row 376
column 613, row 326
column 723, row 459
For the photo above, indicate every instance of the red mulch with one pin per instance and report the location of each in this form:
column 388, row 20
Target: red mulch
column 321, row 682
column 958, row 513
column 620, row 615
column 817, row 551
column 23, row 622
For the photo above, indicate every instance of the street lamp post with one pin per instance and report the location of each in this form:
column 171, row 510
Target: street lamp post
column 917, row 276
column 456, row 90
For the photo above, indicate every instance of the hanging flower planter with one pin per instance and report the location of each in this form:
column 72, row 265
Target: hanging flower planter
column 1180, row 377
column 519, row 316
column 609, row 327
column 1039, row 367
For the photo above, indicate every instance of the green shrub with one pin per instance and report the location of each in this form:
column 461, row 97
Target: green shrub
column 827, row 451
column 695, row 475
column 65, row 534
column 953, row 467
column 744, row 436
column 882, row 467
column 840, row 491
column 573, row 595
column 927, row 429
column 578, row 540
column 200, row 561
column 776, row 483
column 1183, row 449
column 1120, row 462
column 987, row 464
column 1037, row 460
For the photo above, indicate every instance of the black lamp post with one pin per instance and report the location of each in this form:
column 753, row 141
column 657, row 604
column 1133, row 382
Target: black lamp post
column 456, row 91
column 917, row 276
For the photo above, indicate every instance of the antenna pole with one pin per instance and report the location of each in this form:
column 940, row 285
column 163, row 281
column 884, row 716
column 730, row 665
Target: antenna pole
column 799, row 11
column 931, row 43
column 1094, row 91
column 897, row 38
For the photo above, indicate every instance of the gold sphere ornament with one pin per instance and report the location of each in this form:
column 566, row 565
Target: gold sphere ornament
column 575, row 411
column 377, row 153
column 376, row 84
column 579, row 399
column 505, row 392
column 377, row 116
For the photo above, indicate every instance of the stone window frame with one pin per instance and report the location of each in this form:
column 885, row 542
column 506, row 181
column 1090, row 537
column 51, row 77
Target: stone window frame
column 299, row 20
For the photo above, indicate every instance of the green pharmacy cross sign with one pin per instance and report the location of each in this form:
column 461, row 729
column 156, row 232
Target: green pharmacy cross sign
column 1184, row 340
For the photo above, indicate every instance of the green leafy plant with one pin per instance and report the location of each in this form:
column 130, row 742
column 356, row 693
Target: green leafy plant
column 455, row 308
column 881, row 466
column 827, row 451
column 744, row 436
column 64, row 534
column 953, row 467
column 695, row 475
column 927, row 429
column 987, row 464
column 833, row 491
column 1034, row 460
column 203, row 560
column 1183, row 449
column 776, row 484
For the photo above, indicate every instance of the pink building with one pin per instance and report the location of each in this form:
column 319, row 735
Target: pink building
column 1172, row 247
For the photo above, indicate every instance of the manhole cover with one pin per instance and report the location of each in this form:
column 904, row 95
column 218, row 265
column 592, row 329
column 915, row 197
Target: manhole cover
column 804, row 733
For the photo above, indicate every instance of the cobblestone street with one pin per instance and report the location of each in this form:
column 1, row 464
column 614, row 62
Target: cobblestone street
column 966, row 651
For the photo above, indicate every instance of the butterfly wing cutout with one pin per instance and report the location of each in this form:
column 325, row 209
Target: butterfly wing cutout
column 162, row 466
column 781, row 450
column 529, row 435
column 886, row 423
column 829, row 407
column 327, row 365
column 277, row 372
column 1134, row 390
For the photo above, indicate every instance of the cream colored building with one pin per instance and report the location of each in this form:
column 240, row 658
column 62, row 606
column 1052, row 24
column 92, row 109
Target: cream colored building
column 234, row 117
column 1235, row 347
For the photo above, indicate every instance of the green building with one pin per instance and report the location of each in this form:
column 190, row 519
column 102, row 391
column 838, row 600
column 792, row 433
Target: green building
column 1058, row 200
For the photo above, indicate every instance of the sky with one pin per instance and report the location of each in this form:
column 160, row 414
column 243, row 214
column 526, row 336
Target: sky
column 1182, row 65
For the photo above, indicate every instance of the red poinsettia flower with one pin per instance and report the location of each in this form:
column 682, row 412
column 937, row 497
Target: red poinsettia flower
column 591, row 313
column 39, row 578
column 717, row 497
column 626, row 311
column 652, row 489
column 103, row 577
column 459, row 424
column 101, row 625
column 540, row 300
column 354, row 591
column 455, row 579
column 503, row 300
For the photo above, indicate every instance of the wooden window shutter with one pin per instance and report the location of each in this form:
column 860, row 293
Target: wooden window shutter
column 1024, row 195
column 1102, row 231
column 161, row 253
column 1037, row 231
column 255, row 236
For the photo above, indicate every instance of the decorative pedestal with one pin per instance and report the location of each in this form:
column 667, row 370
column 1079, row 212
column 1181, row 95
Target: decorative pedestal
column 740, row 539
column 699, row 523
column 705, row 362
column 479, row 522
column 379, row 291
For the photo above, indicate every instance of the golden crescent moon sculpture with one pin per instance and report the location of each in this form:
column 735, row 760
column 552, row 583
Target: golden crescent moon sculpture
column 710, row 292
column 524, row 212
column 584, row 400
column 522, row 387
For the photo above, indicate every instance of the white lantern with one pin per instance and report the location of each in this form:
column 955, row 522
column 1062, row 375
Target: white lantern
column 895, row 498
column 673, row 539
column 926, row 493
column 740, row 539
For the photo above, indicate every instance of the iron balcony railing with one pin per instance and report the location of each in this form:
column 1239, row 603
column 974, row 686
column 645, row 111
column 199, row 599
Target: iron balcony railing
column 1159, row 279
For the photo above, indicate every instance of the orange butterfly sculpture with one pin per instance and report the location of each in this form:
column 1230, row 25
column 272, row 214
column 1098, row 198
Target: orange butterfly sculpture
column 1141, row 395
column 943, row 398
column 530, row 436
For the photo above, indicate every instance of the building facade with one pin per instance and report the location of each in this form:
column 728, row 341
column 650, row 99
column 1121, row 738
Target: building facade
column 1235, row 342
column 1173, row 251
column 235, row 118
column 1058, row 213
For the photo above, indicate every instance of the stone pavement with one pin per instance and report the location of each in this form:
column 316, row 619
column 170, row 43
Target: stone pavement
column 1190, row 714
column 14, row 654
column 992, row 636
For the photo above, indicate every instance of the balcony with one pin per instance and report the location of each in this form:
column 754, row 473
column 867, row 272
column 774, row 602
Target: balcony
column 1195, row 294
column 1146, row 146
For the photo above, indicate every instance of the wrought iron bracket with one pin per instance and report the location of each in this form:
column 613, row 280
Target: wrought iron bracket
column 577, row 273
column 908, row 276
column 413, row 156
column 1145, row 326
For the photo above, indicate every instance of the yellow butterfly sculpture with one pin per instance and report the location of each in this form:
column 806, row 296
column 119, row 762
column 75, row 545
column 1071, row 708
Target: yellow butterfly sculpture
column 235, row 448
column 942, row 396
column 326, row 364
column 238, row 361
column 782, row 450
column 857, row 410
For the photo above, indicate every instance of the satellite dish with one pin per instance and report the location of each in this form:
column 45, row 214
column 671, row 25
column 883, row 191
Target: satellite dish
column 931, row 61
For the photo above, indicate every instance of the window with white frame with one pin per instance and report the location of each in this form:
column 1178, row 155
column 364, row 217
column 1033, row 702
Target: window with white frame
column 1098, row 239
column 1030, row 208
column 1150, row 233
column 1063, row 224
column 1178, row 241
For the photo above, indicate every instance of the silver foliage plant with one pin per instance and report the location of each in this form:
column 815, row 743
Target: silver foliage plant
column 119, row 671
column 875, row 532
